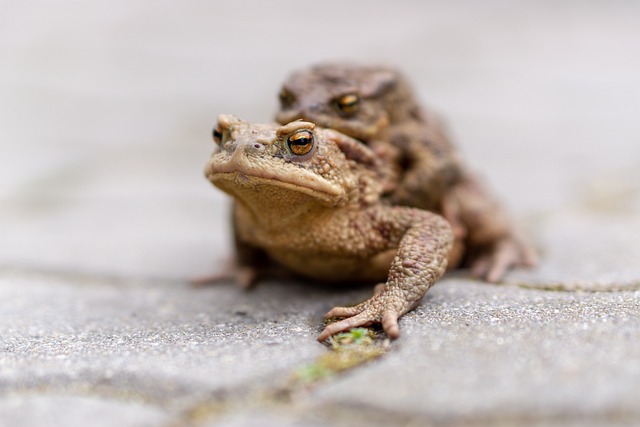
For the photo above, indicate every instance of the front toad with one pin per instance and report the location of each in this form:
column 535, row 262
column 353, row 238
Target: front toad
column 310, row 199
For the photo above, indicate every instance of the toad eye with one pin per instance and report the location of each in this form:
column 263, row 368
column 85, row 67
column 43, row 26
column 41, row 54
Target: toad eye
column 220, row 135
column 301, row 142
column 286, row 99
column 217, row 135
column 348, row 104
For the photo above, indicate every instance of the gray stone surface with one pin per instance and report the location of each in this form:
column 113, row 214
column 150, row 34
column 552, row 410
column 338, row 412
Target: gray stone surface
column 152, row 338
column 131, row 212
column 63, row 411
column 588, row 251
column 105, row 117
column 491, row 353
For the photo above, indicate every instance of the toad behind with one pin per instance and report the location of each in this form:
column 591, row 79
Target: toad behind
column 378, row 106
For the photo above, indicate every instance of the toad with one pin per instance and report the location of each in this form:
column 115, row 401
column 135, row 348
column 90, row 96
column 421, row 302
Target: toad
column 310, row 199
column 376, row 105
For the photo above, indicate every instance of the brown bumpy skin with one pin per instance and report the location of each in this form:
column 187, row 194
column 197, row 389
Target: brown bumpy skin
column 310, row 200
column 377, row 106
column 424, row 240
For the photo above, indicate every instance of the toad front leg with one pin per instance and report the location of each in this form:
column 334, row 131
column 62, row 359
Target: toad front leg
column 423, row 241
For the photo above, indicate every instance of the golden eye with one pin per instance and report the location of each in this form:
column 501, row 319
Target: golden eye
column 301, row 142
column 217, row 135
column 348, row 104
column 286, row 99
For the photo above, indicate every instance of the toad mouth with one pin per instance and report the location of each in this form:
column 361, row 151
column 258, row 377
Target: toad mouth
column 238, row 169
column 241, row 178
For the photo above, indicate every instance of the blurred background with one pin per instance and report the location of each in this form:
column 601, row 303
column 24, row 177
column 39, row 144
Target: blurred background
column 106, row 110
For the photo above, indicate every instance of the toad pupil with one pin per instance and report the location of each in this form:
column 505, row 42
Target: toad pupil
column 300, row 143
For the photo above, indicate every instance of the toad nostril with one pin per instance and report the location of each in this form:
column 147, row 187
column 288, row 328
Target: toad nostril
column 256, row 146
column 251, row 146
